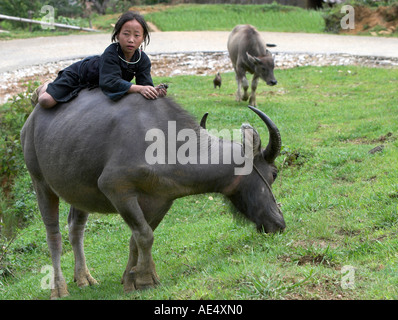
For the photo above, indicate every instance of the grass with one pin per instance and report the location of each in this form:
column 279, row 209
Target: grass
column 272, row 17
column 339, row 202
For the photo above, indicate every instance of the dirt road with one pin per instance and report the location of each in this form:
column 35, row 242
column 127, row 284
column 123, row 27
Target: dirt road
column 16, row 54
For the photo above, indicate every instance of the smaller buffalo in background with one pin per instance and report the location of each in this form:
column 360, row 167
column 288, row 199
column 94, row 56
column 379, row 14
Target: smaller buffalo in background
column 249, row 53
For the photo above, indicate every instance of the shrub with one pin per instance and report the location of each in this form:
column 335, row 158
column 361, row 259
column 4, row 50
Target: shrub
column 13, row 115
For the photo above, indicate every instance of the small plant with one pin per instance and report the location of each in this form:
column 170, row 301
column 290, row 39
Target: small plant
column 291, row 157
column 271, row 286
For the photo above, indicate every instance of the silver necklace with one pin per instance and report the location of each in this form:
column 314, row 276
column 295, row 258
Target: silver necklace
column 128, row 62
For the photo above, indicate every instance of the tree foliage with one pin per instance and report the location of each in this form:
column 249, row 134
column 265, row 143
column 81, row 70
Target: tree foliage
column 32, row 8
column 68, row 8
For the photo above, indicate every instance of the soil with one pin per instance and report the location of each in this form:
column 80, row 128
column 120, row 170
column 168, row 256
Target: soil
column 380, row 21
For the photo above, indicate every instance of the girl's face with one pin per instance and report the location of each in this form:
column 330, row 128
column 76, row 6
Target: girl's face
column 130, row 37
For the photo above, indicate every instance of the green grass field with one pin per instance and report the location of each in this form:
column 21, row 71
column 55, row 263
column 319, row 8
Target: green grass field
column 271, row 17
column 340, row 203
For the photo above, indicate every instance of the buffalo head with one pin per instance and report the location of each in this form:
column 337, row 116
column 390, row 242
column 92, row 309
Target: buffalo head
column 253, row 196
column 264, row 67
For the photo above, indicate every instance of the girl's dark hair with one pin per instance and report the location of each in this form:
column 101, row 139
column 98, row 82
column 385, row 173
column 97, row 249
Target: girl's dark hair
column 129, row 16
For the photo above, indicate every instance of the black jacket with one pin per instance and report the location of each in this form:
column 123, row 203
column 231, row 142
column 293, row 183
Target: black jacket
column 109, row 71
column 115, row 74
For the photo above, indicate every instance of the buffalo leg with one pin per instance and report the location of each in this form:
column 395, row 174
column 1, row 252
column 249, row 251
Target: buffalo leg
column 143, row 274
column 158, row 213
column 77, row 220
column 241, row 82
column 48, row 205
column 129, row 273
column 133, row 258
column 245, row 85
column 252, row 100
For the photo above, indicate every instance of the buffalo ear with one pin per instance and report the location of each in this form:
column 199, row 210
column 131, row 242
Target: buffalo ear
column 250, row 139
column 252, row 59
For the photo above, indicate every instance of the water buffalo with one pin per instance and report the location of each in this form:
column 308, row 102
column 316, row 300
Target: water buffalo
column 249, row 53
column 99, row 156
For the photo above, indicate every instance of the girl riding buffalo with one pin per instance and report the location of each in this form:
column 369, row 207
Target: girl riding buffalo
column 121, row 62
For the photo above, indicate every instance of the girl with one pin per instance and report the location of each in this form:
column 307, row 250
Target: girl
column 122, row 61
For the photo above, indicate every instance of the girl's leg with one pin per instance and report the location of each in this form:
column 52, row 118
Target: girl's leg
column 62, row 89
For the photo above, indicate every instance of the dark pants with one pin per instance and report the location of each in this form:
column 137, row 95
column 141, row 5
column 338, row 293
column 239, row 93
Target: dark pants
column 79, row 75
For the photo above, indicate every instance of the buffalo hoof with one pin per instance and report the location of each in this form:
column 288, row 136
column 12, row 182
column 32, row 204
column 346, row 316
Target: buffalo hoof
column 139, row 280
column 84, row 279
column 60, row 290
column 243, row 98
column 253, row 102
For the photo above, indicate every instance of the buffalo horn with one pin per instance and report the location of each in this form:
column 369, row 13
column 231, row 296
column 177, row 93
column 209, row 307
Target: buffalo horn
column 203, row 121
column 275, row 142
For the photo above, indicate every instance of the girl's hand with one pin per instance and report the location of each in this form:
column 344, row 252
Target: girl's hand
column 149, row 92
column 162, row 90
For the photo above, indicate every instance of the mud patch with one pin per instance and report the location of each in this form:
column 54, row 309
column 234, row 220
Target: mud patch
column 318, row 259
column 314, row 259
column 388, row 137
column 380, row 21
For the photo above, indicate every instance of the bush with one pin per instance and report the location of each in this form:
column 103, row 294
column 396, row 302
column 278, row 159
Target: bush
column 13, row 115
column 332, row 17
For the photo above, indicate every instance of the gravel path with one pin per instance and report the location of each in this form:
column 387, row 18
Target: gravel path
column 15, row 54
column 197, row 52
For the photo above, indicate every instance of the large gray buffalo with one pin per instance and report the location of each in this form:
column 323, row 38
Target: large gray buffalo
column 134, row 157
column 249, row 53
